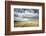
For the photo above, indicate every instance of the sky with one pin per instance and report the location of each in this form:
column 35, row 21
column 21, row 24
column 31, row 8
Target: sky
column 23, row 10
column 29, row 12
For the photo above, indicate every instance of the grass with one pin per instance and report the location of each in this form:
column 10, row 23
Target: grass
column 33, row 23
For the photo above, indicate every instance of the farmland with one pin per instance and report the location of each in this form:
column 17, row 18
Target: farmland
column 32, row 23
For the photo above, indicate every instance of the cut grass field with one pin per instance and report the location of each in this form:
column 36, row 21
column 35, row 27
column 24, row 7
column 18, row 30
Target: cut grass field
column 33, row 23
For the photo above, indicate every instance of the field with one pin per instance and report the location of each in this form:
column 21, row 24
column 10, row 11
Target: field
column 32, row 23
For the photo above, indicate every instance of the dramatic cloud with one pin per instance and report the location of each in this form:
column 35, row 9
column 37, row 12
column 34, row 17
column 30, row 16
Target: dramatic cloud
column 26, row 12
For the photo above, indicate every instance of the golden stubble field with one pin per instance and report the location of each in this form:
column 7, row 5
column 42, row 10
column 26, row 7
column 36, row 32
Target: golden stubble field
column 32, row 23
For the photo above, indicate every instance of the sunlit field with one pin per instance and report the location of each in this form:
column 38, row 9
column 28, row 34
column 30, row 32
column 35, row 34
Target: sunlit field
column 33, row 23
